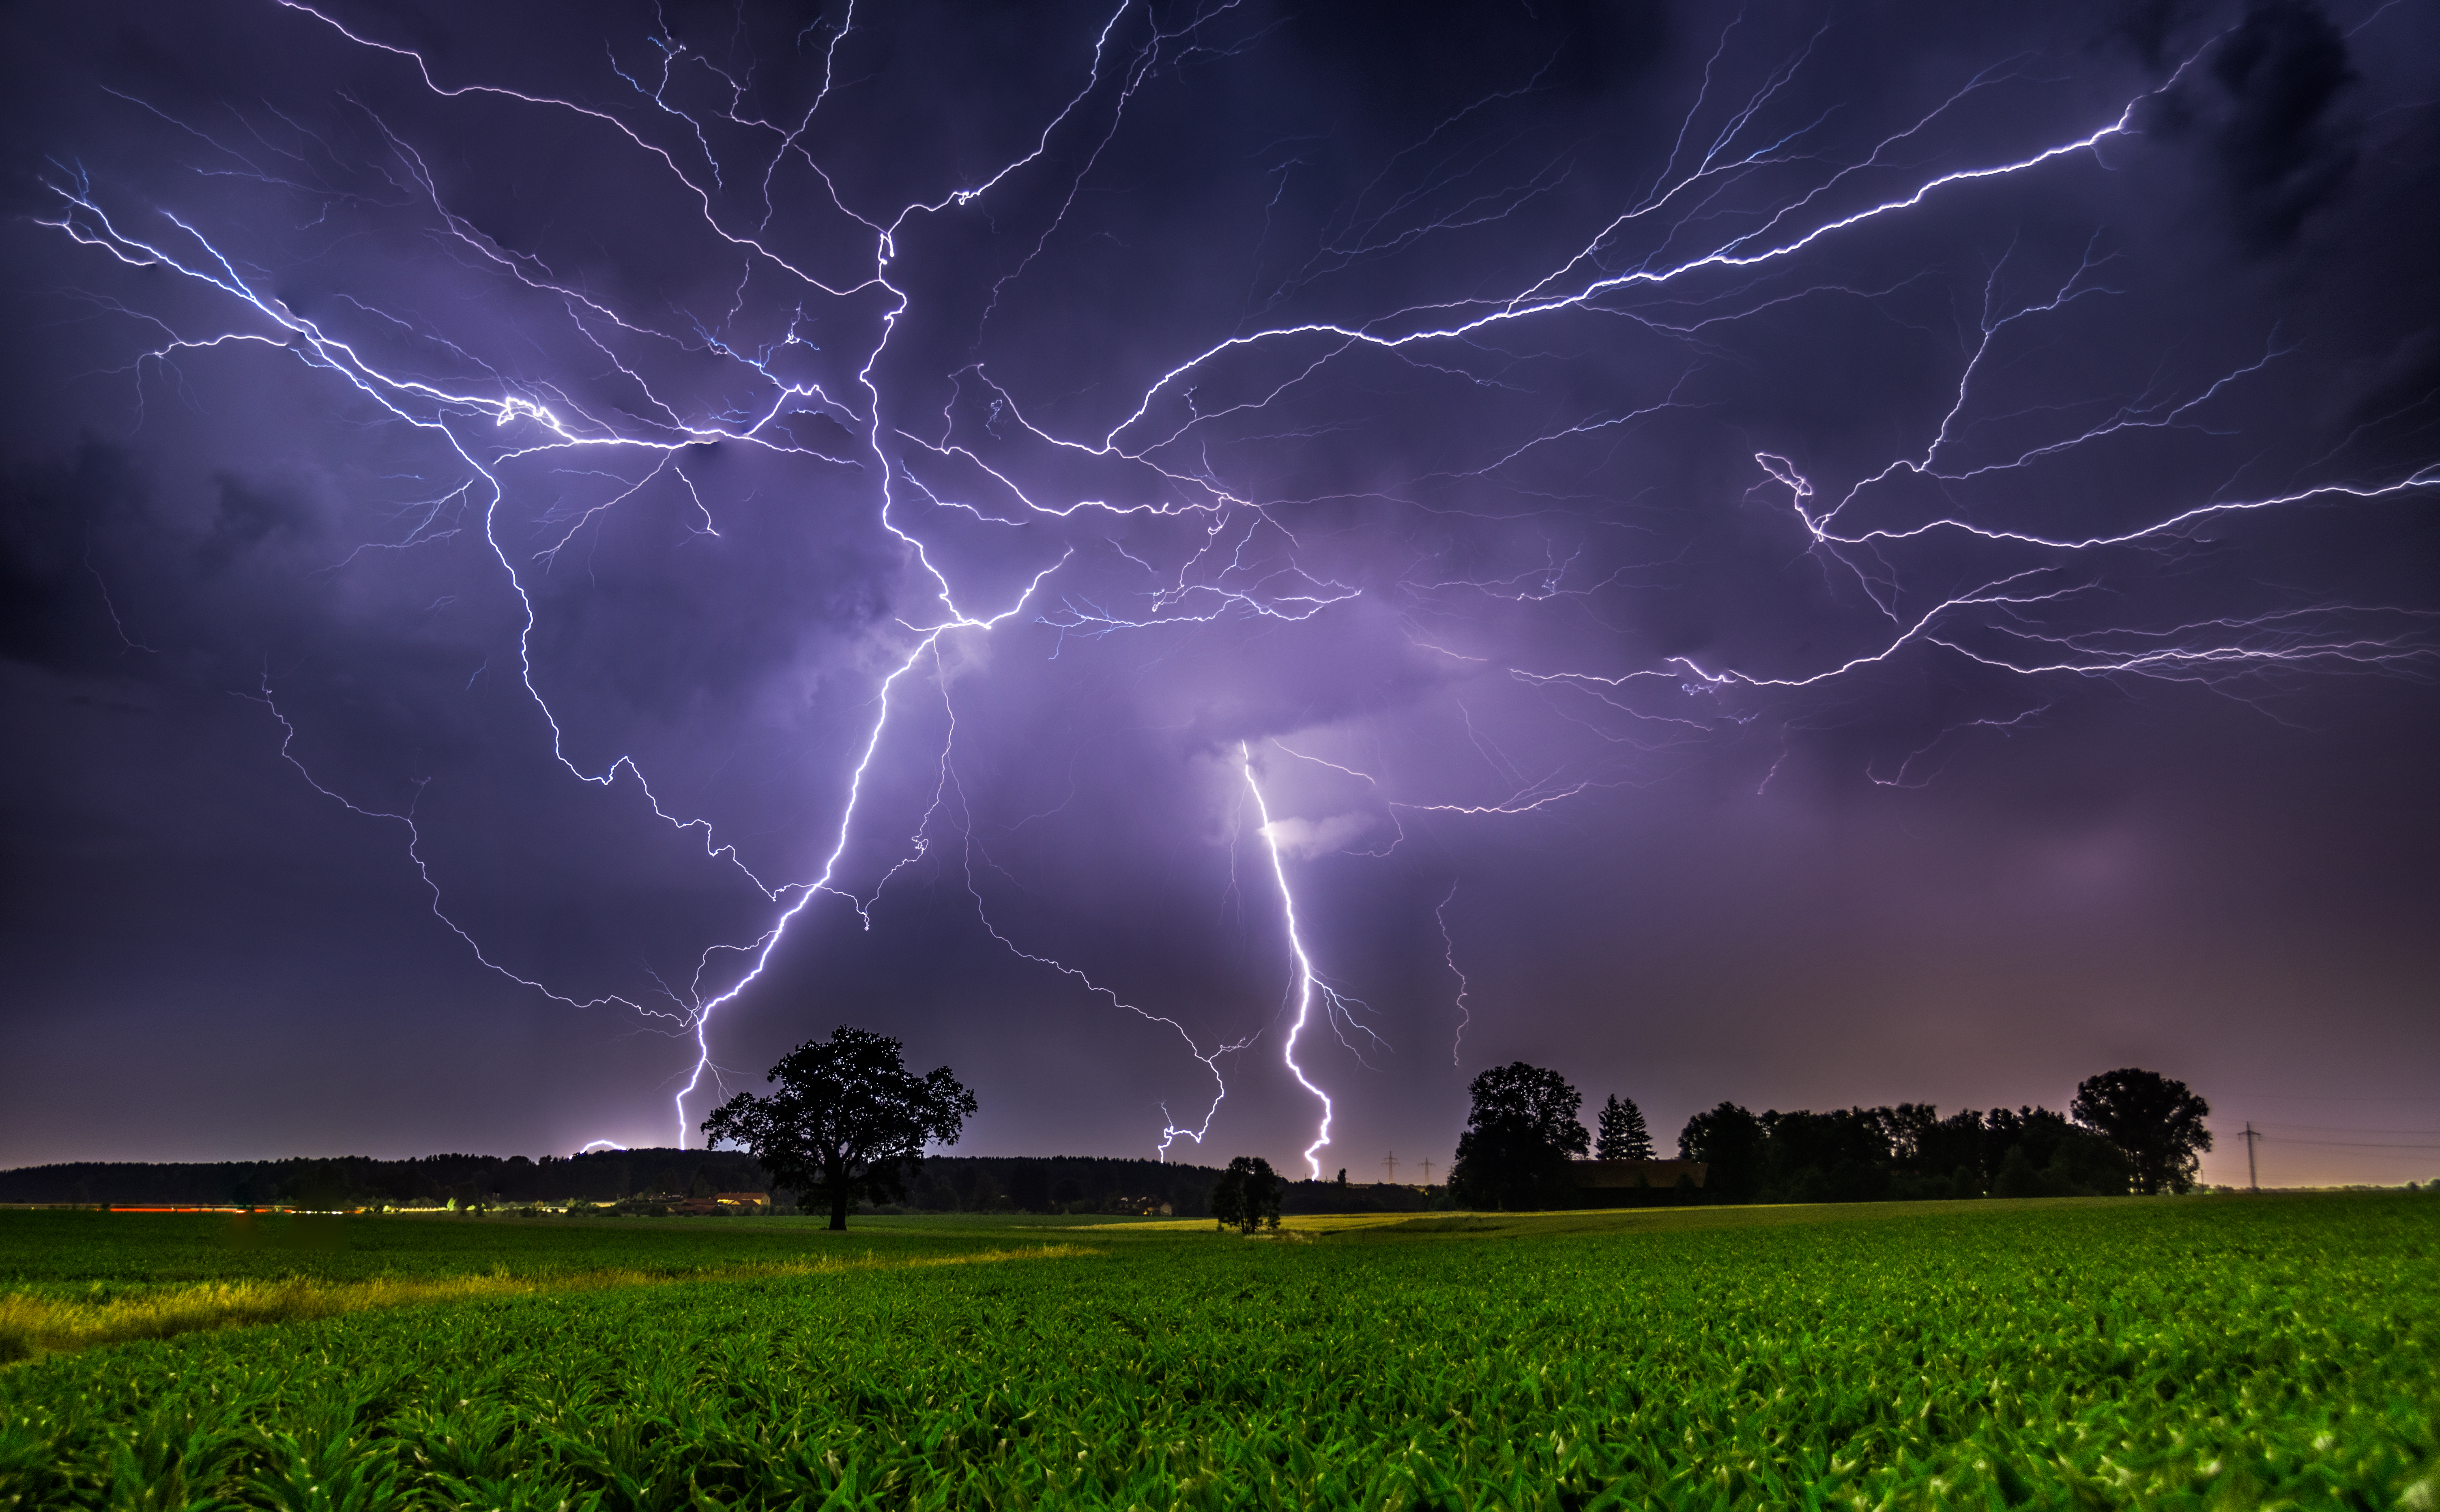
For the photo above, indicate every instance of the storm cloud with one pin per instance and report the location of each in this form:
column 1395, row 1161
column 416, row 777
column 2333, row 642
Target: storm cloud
column 1825, row 555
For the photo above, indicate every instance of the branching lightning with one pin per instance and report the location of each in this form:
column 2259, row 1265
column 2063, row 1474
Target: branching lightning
column 1223, row 545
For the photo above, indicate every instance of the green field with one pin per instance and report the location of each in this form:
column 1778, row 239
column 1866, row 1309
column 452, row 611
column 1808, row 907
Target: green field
column 86, row 1254
column 2202, row 1352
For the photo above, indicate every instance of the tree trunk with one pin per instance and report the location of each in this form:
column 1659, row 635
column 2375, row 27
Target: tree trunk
column 839, row 1204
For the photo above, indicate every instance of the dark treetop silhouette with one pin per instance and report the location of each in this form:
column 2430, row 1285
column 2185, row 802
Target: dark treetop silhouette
column 1247, row 1194
column 1517, row 1139
column 1624, row 1135
column 1906, row 1153
column 849, row 1120
column 2156, row 1122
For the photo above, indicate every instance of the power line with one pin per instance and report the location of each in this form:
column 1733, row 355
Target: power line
column 2337, row 1128
column 2334, row 1097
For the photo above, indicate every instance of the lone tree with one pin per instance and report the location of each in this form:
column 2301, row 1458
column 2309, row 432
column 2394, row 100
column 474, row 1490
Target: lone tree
column 1247, row 1194
column 849, row 1120
column 1517, row 1139
column 2156, row 1123
column 1622, row 1134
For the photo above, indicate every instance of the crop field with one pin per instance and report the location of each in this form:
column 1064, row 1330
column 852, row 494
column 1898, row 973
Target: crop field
column 2182, row 1353
column 68, row 1253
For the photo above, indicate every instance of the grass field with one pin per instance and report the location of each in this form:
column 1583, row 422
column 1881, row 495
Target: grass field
column 87, row 1253
column 2222, row 1352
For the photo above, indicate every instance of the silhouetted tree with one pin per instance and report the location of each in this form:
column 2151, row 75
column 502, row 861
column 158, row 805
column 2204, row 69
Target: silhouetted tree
column 1840, row 1155
column 1729, row 1140
column 849, row 1120
column 1941, row 1156
column 1622, row 1134
column 2035, row 1152
column 1247, row 1194
column 1227, row 1201
column 1522, row 1129
column 2156, row 1123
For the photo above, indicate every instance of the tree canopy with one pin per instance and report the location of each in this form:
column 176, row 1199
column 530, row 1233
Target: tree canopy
column 1247, row 1194
column 1729, row 1140
column 849, row 1120
column 1518, row 1140
column 1624, row 1136
column 1903, row 1153
column 2157, row 1122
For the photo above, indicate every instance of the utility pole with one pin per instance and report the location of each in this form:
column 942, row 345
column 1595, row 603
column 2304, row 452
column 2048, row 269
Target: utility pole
column 1427, row 1172
column 1392, row 1163
column 2250, row 1136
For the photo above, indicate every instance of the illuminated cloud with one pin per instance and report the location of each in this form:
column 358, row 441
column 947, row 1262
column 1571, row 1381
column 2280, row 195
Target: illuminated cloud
column 1304, row 838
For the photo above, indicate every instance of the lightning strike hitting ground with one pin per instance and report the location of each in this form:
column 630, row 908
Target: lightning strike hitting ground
column 1303, row 984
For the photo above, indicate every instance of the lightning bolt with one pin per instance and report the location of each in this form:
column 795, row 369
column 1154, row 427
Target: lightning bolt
column 1680, row 259
column 1306, row 984
column 1449, row 944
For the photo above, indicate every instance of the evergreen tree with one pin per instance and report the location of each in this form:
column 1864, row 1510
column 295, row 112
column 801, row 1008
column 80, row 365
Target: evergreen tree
column 1622, row 1134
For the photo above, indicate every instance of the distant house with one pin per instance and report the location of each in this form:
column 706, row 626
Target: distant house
column 1620, row 1183
column 745, row 1201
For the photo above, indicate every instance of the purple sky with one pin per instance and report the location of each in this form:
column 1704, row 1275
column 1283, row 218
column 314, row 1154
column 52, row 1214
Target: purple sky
column 1864, row 554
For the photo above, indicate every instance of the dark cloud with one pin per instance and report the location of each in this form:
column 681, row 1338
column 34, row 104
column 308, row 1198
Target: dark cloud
column 50, row 593
column 2268, row 108
column 2285, row 153
column 252, row 511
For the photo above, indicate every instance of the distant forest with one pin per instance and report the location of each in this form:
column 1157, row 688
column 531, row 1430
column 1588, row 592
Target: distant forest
column 1899, row 1154
column 1849, row 1155
column 1045, row 1184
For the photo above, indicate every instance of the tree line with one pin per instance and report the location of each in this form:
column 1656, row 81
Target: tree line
column 1044, row 1184
column 2126, row 1130
column 847, row 1125
column 357, row 1181
column 1016, row 1184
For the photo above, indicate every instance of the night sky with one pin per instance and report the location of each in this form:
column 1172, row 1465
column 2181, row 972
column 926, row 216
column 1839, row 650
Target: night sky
column 1825, row 555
